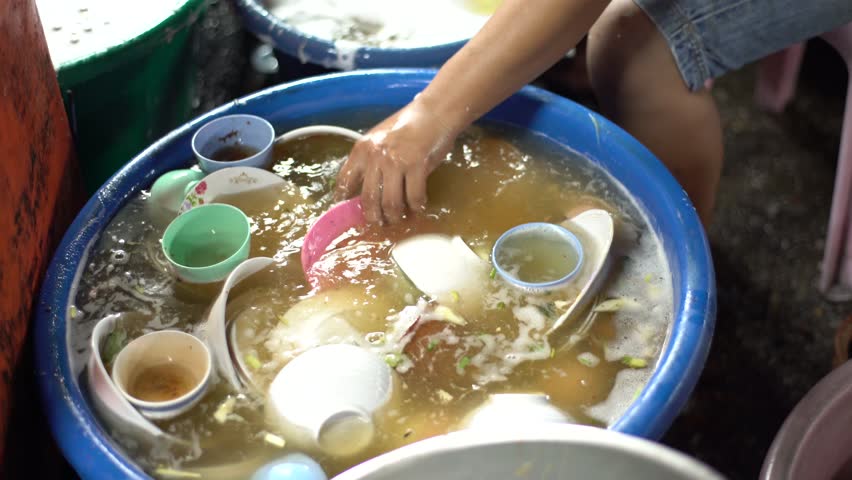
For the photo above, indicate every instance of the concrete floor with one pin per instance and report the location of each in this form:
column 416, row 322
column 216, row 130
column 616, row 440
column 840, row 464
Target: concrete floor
column 774, row 332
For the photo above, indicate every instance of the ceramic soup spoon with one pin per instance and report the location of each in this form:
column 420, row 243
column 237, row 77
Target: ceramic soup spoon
column 229, row 181
column 596, row 230
column 109, row 402
column 441, row 266
column 216, row 328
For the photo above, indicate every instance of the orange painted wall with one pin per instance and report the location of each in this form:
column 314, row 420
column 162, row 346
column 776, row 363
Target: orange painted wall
column 39, row 190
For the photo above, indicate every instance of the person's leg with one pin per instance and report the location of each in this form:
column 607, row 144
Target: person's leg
column 639, row 86
column 649, row 60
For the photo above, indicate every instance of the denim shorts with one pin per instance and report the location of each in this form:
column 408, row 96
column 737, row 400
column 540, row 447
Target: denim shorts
column 711, row 37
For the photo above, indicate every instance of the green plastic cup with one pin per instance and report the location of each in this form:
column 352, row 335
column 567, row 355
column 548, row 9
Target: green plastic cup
column 206, row 243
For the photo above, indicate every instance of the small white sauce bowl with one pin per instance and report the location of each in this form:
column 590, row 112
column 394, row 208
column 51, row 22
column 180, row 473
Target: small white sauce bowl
column 164, row 348
column 529, row 229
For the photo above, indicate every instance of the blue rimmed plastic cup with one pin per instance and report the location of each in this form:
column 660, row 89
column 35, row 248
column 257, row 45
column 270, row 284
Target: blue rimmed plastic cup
column 184, row 354
column 234, row 130
column 526, row 231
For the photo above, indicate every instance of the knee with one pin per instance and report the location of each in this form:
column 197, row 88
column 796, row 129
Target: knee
column 619, row 46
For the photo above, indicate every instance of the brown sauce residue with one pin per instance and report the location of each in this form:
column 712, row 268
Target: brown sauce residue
column 163, row 382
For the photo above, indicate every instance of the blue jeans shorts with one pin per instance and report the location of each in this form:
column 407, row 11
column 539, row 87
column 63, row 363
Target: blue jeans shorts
column 711, row 37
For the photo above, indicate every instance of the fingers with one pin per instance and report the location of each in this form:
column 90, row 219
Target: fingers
column 389, row 167
column 371, row 195
column 415, row 190
column 393, row 195
column 351, row 176
column 386, row 193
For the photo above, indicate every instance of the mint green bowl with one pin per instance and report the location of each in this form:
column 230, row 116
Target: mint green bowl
column 205, row 244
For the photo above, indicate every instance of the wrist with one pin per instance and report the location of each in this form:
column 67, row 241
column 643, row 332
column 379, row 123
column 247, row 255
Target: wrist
column 450, row 116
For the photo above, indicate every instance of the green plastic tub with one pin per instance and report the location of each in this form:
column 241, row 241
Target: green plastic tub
column 133, row 81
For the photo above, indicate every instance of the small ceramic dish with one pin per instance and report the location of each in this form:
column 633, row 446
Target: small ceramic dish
column 163, row 374
column 108, row 399
column 234, row 141
column 326, row 397
column 538, row 243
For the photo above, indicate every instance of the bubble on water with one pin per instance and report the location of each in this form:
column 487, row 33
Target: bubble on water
column 375, row 338
column 119, row 257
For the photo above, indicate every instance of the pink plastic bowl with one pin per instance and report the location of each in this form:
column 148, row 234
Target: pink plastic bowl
column 330, row 225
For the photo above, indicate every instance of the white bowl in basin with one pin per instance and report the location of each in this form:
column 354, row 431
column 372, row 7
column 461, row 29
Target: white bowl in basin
column 532, row 453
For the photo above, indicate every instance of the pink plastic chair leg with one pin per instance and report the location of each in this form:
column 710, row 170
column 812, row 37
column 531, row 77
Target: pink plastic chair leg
column 776, row 78
column 836, row 276
column 837, row 259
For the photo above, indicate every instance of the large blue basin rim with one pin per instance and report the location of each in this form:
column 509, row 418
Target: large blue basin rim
column 319, row 51
column 94, row 455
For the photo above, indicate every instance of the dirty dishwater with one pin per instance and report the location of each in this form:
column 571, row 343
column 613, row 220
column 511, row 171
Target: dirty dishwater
column 385, row 23
column 233, row 153
column 448, row 356
column 159, row 383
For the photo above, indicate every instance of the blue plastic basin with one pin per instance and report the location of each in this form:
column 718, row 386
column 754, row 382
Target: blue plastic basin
column 318, row 51
column 92, row 452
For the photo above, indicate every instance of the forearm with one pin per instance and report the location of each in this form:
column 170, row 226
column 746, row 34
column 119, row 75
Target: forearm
column 389, row 166
column 521, row 40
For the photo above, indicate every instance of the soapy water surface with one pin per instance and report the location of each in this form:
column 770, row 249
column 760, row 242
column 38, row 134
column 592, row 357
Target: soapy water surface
column 494, row 179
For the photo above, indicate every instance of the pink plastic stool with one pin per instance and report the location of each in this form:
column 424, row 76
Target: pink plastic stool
column 776, row 83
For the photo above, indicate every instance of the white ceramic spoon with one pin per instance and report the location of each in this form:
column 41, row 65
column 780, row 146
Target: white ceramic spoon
column 439, row 265
column 216, row 328
column 596, row 230
column 115, row 409
column 228, row 181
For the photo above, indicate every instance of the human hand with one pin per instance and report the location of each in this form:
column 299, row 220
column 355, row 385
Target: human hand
column 391, row 164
